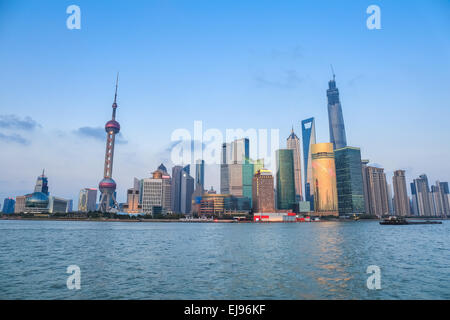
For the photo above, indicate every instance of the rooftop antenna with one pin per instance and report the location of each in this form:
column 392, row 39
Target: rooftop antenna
column 332, row 71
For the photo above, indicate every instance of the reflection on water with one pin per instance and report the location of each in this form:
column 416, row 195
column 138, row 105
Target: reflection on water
column 326, row 260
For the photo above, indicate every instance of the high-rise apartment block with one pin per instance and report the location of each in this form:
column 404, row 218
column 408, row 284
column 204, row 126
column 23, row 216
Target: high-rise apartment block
column 401, row 200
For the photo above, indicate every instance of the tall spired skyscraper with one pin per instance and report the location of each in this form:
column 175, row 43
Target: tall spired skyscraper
column 293, row 142
column 335, row 117
column 107, row 186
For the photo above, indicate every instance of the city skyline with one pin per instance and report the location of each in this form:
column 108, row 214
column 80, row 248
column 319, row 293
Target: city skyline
column 27, row 127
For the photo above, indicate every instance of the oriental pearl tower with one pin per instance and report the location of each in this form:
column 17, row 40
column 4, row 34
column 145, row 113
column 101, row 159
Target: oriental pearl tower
column 107, row 186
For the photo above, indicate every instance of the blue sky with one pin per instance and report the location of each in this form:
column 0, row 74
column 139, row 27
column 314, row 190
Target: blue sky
column 231, row 64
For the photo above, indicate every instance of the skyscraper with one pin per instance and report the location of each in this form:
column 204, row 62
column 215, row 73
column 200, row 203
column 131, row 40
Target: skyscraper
column 308, row 139
column 421, row 196
column 324, row 179
column 224, row 170
column 285, row 179
column 263, row 193
column 364, row 164
column 187, row 189
column 87, row 200
column 293, row 142
column 349, row 180
column 107, row 186
column 176, row 188
column 182, row 189
column 240, row 150
column 236, row 169
column 440, row 199
column 335, row 117
column 247, row 178
column 443, row 187
column 401, row 201
column 200, row 173
column 377, row 191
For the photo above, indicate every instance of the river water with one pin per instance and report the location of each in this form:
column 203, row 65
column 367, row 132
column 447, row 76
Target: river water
column 321, row 260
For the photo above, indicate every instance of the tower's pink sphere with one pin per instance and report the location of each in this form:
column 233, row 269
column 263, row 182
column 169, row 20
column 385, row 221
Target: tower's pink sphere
column 112, row 125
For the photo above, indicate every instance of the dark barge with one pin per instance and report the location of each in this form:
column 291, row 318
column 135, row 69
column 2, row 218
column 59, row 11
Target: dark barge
column 398, row 221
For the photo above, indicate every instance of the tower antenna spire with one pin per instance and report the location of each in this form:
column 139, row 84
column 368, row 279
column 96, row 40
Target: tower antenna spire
column 332, row 71
column 117, row 82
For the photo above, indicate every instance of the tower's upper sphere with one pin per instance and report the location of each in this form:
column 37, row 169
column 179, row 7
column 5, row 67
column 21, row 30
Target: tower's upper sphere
column 107, row 184
column 112, row 125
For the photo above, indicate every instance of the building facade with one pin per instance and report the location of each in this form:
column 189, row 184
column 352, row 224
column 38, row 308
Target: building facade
column 293, row 142
column 401, row 200
column 133, row 198
column 324, row 179
column 285, row 179
column 349, row 181
column 335, row 117
column 87, row 200
column 8, row 205
column 421, row 196
column 263, row 193
column 200, row 173
column 186, row 192
column 308, row 139
column 377, row 191
column 156, row 193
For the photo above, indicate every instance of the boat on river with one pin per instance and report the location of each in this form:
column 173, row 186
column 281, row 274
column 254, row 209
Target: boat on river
column 393, row 220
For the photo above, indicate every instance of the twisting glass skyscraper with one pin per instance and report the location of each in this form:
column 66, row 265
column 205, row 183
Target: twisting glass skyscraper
column 335, row 117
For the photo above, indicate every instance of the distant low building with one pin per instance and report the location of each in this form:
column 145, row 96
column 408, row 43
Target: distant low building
column 40, row 201
column 87, row 200
column 8, row 205
column 132, row 205
column 156, row 192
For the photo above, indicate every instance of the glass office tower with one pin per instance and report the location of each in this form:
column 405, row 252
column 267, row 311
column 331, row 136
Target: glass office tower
column 349, row 181
column 308, row 139
column 285, row 179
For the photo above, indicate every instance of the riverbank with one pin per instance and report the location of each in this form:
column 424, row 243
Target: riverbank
column 135, row 220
